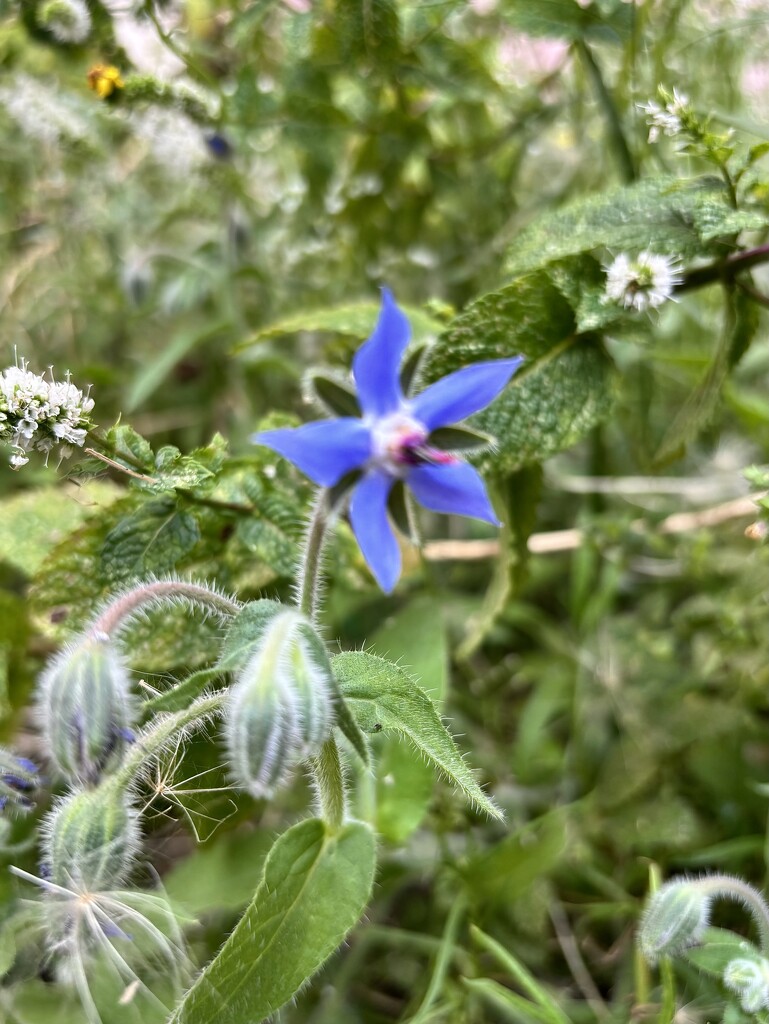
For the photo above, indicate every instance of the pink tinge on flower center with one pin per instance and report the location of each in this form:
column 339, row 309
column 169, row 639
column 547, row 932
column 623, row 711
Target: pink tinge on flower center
column 399, row 441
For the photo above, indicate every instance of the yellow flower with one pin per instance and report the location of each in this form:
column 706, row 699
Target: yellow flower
column 104, row 79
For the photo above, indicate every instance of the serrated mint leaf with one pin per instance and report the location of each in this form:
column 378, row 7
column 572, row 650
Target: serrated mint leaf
column 657, row 214
column 270, row 544
column 150, row 541
column 565, row 387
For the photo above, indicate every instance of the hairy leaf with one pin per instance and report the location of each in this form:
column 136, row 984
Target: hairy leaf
column 314, row 889
column 382, row 696
column 717, row 948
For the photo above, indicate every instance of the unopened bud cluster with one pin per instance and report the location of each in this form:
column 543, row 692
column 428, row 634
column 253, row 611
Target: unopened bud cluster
column 39, row 415
column 85, row 708
column 677, row 918
column 281, row 705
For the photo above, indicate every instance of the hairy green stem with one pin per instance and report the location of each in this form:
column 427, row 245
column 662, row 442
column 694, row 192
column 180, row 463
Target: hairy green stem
column 163, row 730
column 309, row 576
column 731, row 888
column 146, row 593
column 326, row 767
column 329, row 782
column 725, row 270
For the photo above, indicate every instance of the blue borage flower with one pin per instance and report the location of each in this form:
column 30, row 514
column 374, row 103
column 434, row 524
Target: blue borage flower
column 390, row 442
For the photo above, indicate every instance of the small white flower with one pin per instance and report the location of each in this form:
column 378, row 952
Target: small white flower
column 667, row 119
column 38, row 414
column 643, row 282
column 69, row 21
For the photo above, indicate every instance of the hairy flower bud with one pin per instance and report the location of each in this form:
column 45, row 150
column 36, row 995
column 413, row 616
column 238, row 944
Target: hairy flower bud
column 281, row 703
column 85, row 707
column 675, row 919
column 750, row 980
column 92, row 839
column 19, row 779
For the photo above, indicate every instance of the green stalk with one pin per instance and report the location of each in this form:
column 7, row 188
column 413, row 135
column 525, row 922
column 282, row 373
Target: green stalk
column 163, row 730
column 329, row 783
column 326, row 767
column 309, row 578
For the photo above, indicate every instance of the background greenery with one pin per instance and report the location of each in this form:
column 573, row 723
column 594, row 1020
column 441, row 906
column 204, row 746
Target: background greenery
column 614, row 693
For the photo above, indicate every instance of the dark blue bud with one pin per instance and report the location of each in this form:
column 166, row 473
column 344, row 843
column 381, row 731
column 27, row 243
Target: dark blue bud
column 18, row 778
column 219, row 146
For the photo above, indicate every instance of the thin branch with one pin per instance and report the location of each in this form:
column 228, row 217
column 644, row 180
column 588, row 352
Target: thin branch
column 725, row 270
column 573, row 958
column 568, row 540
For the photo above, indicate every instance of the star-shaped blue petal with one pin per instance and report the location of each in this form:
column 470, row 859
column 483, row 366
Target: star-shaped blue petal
column 391, row 441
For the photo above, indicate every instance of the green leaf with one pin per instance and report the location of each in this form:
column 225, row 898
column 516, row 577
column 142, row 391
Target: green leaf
column 355, row 320
column 718, row 948
column 130, row 448
column 507, row 869
column 172, row 470
column 33, row 522
column 405, row 781
column 565, row 19
column 565, row 387
column 714, row 218
column 382, row 696
column 516, row 1008
column 151, row 540
column 656, row 213
column 315, row 886
column 582, row 282
column 269, row 543
column 523, row 977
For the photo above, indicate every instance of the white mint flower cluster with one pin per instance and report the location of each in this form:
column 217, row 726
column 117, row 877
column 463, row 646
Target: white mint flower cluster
column 643, row 282
column 69, row 21
column 38, row 414
column 667, row 119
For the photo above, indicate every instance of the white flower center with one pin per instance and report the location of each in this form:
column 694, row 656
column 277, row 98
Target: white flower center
column 396, row 440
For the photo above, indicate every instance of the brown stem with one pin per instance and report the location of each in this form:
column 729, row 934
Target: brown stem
column 725, row 270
